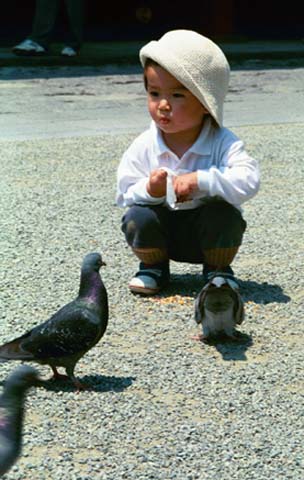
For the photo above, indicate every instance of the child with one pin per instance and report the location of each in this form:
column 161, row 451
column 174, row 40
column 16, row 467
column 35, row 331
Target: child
column 185, row 178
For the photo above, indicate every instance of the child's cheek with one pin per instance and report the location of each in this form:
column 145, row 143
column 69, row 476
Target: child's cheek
column 153, row 111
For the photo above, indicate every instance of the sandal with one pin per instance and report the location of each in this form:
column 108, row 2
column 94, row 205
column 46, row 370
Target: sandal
column 150, row 279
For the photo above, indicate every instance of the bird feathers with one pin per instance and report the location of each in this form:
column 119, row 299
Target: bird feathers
column 13, row 350
column 56, row 338
column 219, row 307
column 73, row 330
column 11, row 414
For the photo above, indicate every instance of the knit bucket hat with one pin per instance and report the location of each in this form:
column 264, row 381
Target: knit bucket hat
column 197, row 62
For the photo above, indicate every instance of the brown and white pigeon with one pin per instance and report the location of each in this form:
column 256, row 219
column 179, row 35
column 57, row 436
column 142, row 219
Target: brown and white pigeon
column 219, row 307
column 73, row 330
column 12, row 414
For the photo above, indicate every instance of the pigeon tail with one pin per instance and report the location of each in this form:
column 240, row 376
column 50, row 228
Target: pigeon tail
column 13, row 351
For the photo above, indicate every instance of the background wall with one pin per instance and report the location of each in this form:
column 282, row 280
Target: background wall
column 135, row 20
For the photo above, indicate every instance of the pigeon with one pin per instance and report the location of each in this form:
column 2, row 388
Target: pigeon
column 73, row 330
column 12, row 413
column 219, row 308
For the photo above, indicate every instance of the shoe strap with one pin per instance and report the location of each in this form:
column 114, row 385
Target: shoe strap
column 228, row 276
column 150, row 272
column 218, row 273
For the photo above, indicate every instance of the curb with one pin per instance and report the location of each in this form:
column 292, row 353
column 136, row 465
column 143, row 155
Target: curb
column 126, row 53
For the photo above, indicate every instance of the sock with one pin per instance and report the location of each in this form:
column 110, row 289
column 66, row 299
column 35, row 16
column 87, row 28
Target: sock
column 220, row 257
column 151, row 256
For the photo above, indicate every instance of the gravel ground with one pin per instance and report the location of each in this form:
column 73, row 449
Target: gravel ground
column 161, row 406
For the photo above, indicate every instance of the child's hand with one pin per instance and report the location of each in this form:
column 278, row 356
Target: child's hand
column 157, row 185
column 184, row 185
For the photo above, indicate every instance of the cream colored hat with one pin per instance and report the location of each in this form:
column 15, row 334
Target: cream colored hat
column 197, row 62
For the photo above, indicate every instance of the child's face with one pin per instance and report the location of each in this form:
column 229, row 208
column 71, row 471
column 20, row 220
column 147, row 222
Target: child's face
column 173, row 108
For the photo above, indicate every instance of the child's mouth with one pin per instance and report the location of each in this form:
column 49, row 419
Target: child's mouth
column 164, row 120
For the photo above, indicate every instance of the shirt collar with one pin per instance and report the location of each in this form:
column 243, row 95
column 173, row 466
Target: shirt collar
column 159, row 145
column 202, row 145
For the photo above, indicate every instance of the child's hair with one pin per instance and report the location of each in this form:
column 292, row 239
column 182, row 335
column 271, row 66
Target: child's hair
column 149, row 62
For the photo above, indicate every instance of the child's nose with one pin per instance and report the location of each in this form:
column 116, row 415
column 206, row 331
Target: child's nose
column 164, row 104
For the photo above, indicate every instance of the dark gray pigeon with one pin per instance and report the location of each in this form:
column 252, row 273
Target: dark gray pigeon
column 73, row 330
column 12, row 413
column 219, row 307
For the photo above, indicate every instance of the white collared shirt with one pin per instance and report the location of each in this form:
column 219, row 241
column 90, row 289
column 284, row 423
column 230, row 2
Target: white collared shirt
column 223, row 167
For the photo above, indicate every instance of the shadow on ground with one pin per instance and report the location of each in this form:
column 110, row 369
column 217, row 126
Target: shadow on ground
column 188, row 285
column 94, row 383
column 232, row 350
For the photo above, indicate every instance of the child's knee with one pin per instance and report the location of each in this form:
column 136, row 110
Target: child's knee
column 142, row 227
column 225, row 219
column 136, row 219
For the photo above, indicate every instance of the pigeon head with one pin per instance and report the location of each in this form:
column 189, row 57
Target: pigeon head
column 91, row 286
column 21, row 379
column 218, row 295
column 93, row 261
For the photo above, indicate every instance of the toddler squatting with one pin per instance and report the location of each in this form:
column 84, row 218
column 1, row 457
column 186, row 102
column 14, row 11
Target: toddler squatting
column 183, row 180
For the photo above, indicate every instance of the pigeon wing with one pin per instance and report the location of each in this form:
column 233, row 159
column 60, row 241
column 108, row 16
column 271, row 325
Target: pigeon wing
column 71, row 330
column 239, row 311
column 199, row 311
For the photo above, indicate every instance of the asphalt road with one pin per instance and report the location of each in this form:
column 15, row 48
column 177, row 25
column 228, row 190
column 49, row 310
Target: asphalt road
column 44, row 102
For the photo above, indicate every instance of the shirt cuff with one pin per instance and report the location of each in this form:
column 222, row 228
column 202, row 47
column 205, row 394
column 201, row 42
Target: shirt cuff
column 142, row 196
column 203, row 180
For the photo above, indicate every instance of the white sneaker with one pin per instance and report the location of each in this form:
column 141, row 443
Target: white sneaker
column 68, row 52
column 28, row 47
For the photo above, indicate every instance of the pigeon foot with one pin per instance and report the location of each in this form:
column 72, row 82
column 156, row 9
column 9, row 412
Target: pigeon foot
column 59, row 376
column 199, row 338
column 233, row 337
column 80, row 386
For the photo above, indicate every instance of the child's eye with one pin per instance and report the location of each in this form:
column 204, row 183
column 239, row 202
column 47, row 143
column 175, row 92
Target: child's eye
column 153, row 93
column 178, row 95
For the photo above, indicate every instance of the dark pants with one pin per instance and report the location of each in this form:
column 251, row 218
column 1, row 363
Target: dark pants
column 45, row 17
column 185, row 234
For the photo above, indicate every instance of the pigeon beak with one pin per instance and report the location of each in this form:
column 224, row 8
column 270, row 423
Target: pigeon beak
column 103, row 263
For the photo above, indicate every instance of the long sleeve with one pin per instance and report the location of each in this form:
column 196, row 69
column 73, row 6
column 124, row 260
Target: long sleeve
column 236, row 179
column 224, row 168
column 133, row 175
column 135, row 192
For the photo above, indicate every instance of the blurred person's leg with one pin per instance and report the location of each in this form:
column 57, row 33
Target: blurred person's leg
column 38, row 41
column 44, row 21
column 75, row 12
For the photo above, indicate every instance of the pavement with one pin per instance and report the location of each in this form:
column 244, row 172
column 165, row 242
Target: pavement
column 101, row 91
column 103, row 53
column 77, row 100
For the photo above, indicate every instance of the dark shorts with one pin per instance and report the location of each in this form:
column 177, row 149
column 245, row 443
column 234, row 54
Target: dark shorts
column 185, row 234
